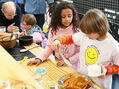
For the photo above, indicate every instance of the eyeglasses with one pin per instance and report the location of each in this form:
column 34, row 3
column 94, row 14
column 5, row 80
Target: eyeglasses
column 23, row 24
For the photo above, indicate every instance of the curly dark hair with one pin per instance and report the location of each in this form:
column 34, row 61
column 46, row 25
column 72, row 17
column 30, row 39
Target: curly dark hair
column 56, row 16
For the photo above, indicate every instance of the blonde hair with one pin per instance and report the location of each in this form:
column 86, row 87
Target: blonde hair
column 94, row 21
column 29, row 19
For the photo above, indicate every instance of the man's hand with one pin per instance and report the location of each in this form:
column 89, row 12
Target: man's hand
column 11, row 27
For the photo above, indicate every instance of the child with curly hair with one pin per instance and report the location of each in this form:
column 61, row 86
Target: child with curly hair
column 64, row 21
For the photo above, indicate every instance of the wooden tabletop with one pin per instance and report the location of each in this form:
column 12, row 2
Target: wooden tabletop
column 12, row 72
column 52, row 71
column 10, row 69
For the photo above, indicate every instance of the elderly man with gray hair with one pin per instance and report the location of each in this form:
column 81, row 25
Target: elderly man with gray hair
column 10, row 15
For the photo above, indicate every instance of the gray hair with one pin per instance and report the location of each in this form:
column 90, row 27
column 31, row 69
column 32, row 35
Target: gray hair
column 5, row 5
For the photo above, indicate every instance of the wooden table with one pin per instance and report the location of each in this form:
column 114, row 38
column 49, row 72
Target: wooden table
column 52, row 71
column 11, row 70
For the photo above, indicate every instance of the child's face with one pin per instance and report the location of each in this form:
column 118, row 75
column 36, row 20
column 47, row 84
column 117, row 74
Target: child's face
column 23, row 26
column 66, row 17
column 93, row 36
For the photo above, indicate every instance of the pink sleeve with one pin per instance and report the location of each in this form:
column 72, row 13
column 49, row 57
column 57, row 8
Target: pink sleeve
column 45, row 54
column 48, row 50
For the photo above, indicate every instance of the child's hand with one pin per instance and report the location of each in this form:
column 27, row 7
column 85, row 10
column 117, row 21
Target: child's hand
column 56, row 45
column 103, row 71
column 61, row 63
column 22, row 34
column 34, row 62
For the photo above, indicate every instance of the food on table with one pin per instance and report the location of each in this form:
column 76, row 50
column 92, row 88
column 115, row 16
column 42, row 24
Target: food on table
column 73, row 81
column 7, row 37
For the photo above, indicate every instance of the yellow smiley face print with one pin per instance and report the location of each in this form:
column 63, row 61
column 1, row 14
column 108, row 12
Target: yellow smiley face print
column 91, row 55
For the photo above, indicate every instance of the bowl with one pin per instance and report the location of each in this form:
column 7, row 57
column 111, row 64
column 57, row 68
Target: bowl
column 8, row 42
column 25, row 40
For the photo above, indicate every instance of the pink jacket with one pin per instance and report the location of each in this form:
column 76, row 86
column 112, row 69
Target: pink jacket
column 70, row 52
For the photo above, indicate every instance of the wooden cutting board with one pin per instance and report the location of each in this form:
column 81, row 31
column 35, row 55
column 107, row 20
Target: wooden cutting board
column 12, row 72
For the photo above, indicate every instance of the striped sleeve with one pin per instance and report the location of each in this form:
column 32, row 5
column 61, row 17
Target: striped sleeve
column 66, row 39
column 112, row 69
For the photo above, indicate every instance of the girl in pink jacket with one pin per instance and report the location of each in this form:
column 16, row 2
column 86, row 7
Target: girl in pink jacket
column 64, row 21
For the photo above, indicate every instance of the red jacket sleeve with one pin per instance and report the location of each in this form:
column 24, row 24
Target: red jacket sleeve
column 112, row 69
column 66, row 39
